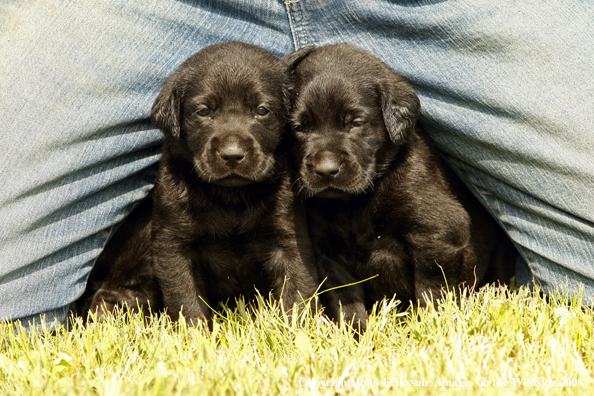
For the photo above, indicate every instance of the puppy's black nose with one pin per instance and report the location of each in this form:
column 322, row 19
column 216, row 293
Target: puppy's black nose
column 328, row 167
column 232, row 153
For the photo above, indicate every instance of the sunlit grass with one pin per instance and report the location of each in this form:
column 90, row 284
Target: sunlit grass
column 467, row 345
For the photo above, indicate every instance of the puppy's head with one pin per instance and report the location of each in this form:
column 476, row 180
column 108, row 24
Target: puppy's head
column 224, row 110
column 350, row 114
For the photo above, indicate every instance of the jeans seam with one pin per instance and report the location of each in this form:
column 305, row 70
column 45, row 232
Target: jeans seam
column 297, row 28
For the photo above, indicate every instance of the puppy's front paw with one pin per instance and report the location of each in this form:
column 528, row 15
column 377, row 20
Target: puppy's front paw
column 106, row 302
column 191, row 320
column 200, row 321
column 355, row 316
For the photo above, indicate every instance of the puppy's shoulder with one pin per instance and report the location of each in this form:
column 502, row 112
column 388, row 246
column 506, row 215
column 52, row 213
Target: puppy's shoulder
column 419, row 188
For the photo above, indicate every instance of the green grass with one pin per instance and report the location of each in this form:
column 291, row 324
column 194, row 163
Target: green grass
column 469, row 347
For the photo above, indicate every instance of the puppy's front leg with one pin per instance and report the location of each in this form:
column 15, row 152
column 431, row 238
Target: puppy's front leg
column 293, row 279
column 182, row 289
column 439, row 263
column 343, row 302
column 290, row 261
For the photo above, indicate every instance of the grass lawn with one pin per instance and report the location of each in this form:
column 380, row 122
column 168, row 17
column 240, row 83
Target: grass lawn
column 489, row 343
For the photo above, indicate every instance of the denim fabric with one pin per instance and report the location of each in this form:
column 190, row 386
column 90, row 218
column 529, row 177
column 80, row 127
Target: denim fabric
column 506, row 89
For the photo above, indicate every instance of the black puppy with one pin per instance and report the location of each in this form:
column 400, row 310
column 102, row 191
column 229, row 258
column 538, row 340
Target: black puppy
column 225, row 221
column 380, row 200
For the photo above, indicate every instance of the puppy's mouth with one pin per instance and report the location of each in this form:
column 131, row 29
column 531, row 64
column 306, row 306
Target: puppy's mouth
column 332, row 193
column 233, row 181
column 352, row 181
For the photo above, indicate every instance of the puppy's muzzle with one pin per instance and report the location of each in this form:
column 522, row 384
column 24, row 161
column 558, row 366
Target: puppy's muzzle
column 232, row 153
column 234, row 161
column 326, row 166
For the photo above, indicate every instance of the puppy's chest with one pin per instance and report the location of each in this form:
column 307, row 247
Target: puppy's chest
column 375, row 234
column 229, row 222
column 233, row 265
column 225, row 256
column 355, row 227
column 230, row 241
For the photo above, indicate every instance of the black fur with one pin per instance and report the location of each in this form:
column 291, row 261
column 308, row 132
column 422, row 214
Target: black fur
column 380, row 199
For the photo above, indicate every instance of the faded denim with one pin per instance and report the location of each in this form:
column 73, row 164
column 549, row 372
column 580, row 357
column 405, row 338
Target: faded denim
column 507, row 91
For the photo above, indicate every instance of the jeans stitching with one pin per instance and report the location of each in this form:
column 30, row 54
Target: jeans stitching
column 293, row 6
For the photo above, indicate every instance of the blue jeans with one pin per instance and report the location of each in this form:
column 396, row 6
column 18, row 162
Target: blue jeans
column 506, row 88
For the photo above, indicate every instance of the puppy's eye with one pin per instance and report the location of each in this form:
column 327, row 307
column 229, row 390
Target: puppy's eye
column 262, row 110
column 298, row 128
column 356, row 124
column 203, row 112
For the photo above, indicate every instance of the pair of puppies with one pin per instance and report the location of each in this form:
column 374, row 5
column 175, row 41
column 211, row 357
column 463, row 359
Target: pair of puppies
column 225, row 221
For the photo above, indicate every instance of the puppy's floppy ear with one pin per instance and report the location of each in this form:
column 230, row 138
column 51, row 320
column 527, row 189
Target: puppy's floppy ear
column 288, row 64
column 400, row 108
column 166, row 111
column 291, row 61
